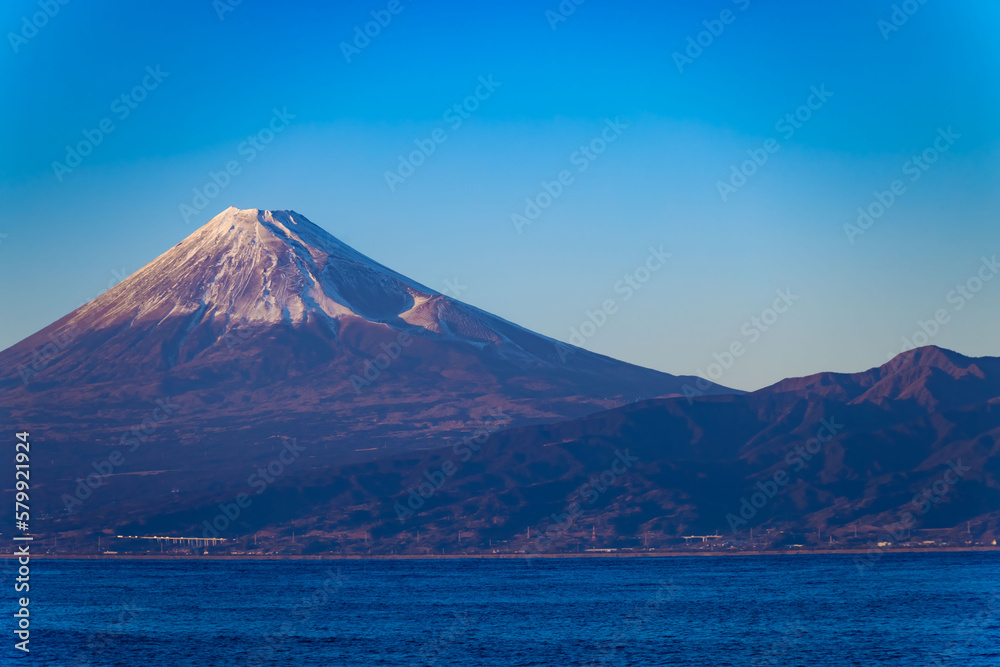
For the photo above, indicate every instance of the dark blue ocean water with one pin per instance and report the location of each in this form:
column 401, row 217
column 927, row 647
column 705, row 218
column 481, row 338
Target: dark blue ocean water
column 919, row 609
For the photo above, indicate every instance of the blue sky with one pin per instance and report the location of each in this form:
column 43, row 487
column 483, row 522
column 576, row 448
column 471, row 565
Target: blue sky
column 889, row 94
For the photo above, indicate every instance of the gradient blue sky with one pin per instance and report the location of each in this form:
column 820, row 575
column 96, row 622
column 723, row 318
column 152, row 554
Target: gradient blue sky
column 657, row 185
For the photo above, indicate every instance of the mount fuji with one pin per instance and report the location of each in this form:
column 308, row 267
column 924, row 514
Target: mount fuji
column 260, row 327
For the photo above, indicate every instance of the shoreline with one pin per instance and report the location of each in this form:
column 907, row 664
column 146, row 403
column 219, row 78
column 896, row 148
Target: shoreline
column 648, row 554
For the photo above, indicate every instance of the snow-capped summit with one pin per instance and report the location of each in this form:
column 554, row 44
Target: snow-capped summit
column 254, row 266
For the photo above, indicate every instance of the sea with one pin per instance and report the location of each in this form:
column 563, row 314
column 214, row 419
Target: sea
column 903, row 609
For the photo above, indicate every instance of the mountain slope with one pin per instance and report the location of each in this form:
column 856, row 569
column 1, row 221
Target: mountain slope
column 855, row 452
